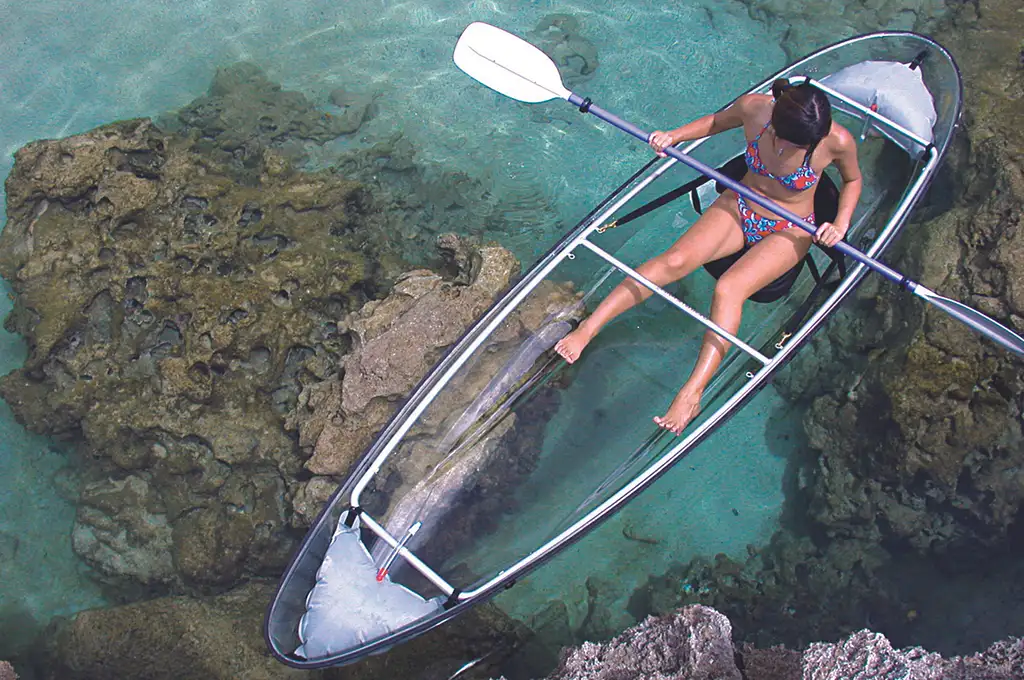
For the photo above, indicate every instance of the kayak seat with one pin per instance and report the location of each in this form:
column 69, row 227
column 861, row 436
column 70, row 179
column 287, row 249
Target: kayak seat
column 826, row 207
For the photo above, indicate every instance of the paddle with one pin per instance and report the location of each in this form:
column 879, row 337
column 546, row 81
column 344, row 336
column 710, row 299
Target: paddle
column 517, row 69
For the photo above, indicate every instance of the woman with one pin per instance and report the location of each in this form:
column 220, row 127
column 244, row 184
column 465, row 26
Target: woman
column 791, row 139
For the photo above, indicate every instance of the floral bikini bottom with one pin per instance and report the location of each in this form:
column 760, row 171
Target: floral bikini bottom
column 755, row 227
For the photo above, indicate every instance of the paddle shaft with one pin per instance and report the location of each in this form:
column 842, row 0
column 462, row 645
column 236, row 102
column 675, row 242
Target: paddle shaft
column 742, row 190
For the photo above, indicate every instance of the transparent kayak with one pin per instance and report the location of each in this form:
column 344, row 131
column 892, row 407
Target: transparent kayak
column 485, row 472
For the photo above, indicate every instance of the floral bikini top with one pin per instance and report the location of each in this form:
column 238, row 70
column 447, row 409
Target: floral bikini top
column 801, row 179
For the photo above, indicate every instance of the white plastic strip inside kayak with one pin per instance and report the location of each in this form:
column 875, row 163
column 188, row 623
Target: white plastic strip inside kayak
column 348, row 607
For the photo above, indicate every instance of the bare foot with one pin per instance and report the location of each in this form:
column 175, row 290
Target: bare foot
column 570, row 347
column 682, row 410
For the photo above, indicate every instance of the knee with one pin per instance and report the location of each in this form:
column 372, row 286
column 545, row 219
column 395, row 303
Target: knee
column 730, row 290
column 677, row 261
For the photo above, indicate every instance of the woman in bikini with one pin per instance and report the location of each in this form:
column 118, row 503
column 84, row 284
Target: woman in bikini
column 791, row 139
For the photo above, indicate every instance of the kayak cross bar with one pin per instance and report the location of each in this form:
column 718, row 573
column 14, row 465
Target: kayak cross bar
column 398, row 549
column 672, row 300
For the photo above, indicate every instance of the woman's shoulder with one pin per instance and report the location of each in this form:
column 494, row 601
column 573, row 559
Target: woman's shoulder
column 754, row 111
column 755, row 105
column 840, row 139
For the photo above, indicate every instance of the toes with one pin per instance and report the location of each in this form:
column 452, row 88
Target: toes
column 564, row 352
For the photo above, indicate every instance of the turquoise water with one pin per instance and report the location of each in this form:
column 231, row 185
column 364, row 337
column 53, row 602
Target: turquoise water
column 68, row 67
column 40, row 575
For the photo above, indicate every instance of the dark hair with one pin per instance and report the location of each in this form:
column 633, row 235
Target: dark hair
column 802, row 114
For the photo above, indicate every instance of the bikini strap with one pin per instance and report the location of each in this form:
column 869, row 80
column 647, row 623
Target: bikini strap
column 758, row 138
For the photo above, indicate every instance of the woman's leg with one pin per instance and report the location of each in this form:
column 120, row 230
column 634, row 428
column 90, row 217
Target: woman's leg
column 716, row 234
column 762, row 264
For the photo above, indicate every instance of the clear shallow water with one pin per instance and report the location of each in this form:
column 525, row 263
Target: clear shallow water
column 40, row 575
column 70, row 67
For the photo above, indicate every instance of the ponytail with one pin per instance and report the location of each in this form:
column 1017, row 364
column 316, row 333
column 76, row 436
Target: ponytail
column 780, row 87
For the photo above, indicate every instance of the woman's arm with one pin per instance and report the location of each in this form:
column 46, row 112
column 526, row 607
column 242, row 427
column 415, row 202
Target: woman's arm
column 845, row 158
column 728, row 118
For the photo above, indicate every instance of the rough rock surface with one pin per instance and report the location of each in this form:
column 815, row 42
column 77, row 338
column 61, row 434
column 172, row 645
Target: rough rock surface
column 7, row 671
column 216, row 637
column 696, row 642
column 220, row 638
column 176, row 304
column 692, row 644
column 169, row 311
column 925, row 445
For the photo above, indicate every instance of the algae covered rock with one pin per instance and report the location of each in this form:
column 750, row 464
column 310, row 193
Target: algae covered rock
column 176, row 315
column 170, row 312
column 220, row 638
column 244, row 113
column 930, row 435
column 179, row 637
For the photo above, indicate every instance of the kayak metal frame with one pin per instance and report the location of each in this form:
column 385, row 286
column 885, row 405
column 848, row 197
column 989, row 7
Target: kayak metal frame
column 428, row 389
column 769, row 365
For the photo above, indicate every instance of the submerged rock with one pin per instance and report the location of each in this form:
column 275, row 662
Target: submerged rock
column 925, row 446
column 220, row 638
column 244, row 113
column 808, row 25
column 179, row 637
column 559, row 36
column 170, row 313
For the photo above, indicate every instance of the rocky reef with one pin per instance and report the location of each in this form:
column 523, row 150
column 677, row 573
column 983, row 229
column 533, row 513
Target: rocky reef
column 168, row 311
column 202, row 327
column 696, row 644
column 914, row 423
column 216, row 335
column 922, row 448
column 220, row 637
column 804, row 26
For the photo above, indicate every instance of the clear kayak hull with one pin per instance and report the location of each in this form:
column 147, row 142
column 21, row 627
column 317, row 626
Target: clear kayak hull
column 486, row 459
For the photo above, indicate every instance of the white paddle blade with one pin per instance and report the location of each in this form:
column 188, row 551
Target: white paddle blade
column 508, row 64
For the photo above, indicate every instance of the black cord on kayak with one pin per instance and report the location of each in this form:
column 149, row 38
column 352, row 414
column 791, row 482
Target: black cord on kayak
column 453, row 599
column 353, row 512
column 585, row 106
